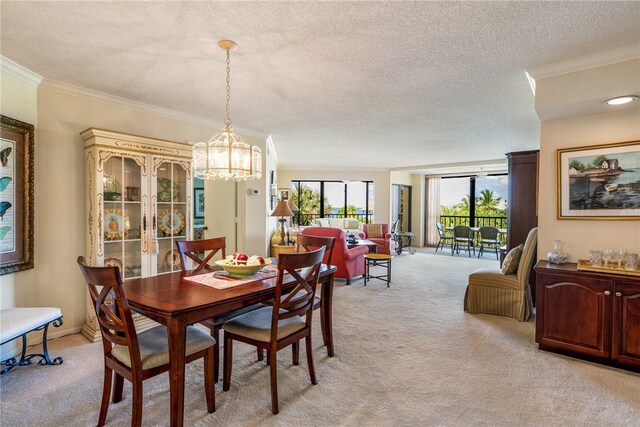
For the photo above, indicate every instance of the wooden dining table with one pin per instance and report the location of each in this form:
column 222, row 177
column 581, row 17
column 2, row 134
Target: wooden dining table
column 171, row 300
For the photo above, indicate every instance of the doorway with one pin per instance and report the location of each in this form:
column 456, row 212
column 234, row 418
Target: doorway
column 401, row 206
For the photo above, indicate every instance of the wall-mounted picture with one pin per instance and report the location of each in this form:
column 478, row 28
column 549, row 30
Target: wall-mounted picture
column 198, row 201
column 599, row 182
column 16, row 195
column 283, row 193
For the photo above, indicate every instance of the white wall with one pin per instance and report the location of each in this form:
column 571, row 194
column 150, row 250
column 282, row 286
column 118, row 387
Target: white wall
column 381, row 181
column 578, row 236
column 19, row 101
column 571, row 94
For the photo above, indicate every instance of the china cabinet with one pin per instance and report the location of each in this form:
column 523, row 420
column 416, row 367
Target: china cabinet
column 138, row 204
column 590, row 315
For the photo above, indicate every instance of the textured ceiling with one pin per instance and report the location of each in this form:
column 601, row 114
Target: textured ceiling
column 336, row 84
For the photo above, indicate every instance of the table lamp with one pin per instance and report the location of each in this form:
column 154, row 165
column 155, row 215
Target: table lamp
column 282, row 210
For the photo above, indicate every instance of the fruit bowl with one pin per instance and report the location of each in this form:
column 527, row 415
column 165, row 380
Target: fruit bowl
column 241, row 270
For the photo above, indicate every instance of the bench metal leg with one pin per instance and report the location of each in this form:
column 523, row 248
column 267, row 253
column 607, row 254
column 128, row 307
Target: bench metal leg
column 25, row 359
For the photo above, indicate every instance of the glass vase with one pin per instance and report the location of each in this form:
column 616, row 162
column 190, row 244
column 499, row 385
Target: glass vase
column 557, row 256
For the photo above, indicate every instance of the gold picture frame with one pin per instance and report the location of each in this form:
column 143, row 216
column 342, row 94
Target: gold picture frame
column 16, row 195
column 599, row 182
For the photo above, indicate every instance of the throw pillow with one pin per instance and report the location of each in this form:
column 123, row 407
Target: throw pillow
column 336, row 223
column 323, row 222
column 511, row 261
column 352, row 223
column 374, row 230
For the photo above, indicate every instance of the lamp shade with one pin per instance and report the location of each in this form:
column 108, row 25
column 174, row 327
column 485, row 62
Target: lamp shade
column 282, row 209
column 292, row 206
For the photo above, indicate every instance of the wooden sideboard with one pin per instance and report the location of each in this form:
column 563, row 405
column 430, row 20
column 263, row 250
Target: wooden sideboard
column 593, row 316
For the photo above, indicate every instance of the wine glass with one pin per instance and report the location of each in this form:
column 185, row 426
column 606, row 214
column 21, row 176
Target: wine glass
column 620, row 255
column 607, row 255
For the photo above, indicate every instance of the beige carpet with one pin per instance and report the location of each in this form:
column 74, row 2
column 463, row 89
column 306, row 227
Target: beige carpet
column 407, row 355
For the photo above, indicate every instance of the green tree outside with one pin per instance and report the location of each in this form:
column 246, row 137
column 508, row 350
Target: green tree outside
column 308, row 202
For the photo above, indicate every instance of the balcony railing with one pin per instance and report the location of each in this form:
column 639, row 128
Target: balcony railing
column 480, row 221
column 306, row 219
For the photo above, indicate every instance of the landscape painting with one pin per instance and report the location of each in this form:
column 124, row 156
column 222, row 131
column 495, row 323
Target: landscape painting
column 601, row 182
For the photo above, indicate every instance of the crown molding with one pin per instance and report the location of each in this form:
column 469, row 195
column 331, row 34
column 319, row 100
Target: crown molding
column 97, row 96
column 94, row 95
column 19, row 71
column 593, row 60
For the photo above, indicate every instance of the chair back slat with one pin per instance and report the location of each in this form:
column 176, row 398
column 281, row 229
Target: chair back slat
column 488, row 233
column 191, row 249
column 461, row 231
column 112, row 308
column 311, row 243
column 304, row 268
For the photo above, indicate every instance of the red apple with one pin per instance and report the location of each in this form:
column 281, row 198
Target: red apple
column 261, row 260
column 240, row 257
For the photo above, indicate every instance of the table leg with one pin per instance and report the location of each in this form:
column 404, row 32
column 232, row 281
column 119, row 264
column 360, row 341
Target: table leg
column 388, row 272
column 177, row 332
column 327, row 307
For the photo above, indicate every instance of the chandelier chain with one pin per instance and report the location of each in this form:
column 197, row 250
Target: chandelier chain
column 227, row 121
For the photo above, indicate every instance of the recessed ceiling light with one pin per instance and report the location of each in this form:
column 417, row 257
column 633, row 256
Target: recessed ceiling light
column 621, row 100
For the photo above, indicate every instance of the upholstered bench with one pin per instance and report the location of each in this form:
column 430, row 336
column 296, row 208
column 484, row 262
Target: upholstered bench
column 18, row 322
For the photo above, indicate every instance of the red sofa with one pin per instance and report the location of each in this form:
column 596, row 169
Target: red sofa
column 385, row 244
column 349, row 262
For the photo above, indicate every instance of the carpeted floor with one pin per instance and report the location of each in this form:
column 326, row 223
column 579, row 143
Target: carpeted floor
column 407, row 355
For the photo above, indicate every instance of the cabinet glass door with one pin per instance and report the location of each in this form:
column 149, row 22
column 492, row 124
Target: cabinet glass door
column 171, row 214
column 122, row 221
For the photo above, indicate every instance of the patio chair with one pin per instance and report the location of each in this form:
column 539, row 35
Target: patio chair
column 446, row 238
column 462, row 236
column 490, row 239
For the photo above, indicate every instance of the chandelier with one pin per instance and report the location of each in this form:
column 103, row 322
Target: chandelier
column 227, row 155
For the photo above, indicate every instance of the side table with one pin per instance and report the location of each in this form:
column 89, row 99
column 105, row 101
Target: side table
column 400, row 246
column 377, row 260
column 283, row 249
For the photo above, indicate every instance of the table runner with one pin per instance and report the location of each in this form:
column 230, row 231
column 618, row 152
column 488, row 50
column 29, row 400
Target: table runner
column 221, row 279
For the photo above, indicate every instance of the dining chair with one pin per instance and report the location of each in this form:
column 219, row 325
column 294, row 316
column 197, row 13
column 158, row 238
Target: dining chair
column 195, row 250
column 284, row 324
column 136, row 356
column 462, row 236
column 310, row 243
column 489, row 238
column 445, row 237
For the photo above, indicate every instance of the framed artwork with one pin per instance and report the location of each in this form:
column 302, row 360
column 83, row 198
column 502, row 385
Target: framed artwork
column 198, row 201
column 16, row 195
column 283, row 193
column 599, row 182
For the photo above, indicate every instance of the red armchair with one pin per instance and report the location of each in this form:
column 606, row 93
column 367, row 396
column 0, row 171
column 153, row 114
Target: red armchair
column 349, row 262
column 385, row 243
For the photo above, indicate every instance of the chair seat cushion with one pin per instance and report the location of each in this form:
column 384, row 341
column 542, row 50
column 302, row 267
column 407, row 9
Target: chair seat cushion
column 17, row 321
column 221, row 319
column 493, row 277
column 257, row 325
column 154, row 346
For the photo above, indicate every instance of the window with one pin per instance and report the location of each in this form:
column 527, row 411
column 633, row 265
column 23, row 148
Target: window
column 488, row 194
column 332, row 199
